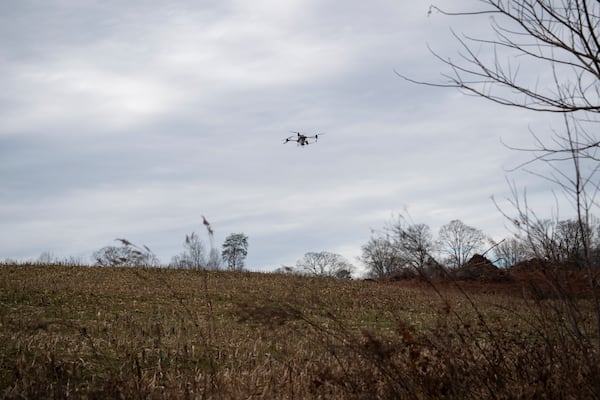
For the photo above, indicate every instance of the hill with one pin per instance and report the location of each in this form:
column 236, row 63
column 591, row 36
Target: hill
column 92, row 332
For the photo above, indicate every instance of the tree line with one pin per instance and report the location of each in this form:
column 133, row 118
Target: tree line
column 404, row 245
column 194, row 256
column 401, row 245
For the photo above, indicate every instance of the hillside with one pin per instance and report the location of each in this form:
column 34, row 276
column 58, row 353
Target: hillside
column 91, row 332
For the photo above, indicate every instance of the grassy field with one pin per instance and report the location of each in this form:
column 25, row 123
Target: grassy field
column 90, row 332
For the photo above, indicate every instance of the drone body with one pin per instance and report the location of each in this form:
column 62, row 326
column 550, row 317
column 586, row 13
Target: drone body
column 302, row 139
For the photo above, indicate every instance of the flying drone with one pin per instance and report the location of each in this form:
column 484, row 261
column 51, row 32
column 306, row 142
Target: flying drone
column 302, row 139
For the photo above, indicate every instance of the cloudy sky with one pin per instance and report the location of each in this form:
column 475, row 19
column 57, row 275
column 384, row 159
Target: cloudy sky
column 133, row 119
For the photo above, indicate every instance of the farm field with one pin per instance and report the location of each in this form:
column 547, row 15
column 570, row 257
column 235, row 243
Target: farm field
column 92, row 332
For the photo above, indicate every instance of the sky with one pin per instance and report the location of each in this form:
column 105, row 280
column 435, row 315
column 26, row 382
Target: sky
column 135, row 119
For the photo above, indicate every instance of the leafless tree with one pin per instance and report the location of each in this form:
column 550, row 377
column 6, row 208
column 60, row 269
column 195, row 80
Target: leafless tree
column 560, row 38
column 542, row 56
column 459, row 241
column 559, row 241
column 381, row 257
column 111, row 256
column 194, row 254
column 286, row 269
column 552, row 240
column 128, row 254
column 510, row 251
column 47, row 258
column 324, row 263
column 413, row 242
column 571, row 239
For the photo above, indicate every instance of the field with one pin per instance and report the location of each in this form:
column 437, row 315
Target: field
column 138, row 333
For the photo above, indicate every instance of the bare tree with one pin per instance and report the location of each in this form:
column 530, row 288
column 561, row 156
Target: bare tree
column 510, row 251
column 559, row 241
column 47, row 258
column 459, row 242
column 286, row 269
column 413, row 242
column 324, row 263
column 193, row 256
column 571, row 239
column 544, row 56
column 128, row 254
column 559, row 37
column 381, row 257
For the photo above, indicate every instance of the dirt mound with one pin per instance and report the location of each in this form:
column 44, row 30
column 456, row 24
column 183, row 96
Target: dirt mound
column 533, row 264
column 404, row 274
column 546, row 278
column 479, row 268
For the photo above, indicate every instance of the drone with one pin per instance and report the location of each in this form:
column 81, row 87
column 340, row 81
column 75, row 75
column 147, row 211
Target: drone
column 302, row 139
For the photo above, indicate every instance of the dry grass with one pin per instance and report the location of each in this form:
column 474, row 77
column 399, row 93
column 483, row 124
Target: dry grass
column 90, row 332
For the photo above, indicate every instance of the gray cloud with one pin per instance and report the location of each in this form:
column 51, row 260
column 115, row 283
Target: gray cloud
column 133, row 120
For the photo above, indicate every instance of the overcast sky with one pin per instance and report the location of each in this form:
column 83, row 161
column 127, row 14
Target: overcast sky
column 133, row 119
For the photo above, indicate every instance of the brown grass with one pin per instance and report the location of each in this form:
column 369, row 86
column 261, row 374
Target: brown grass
column 91, row 332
